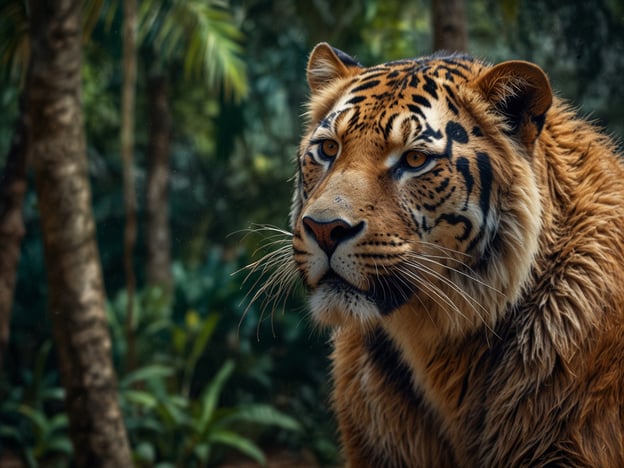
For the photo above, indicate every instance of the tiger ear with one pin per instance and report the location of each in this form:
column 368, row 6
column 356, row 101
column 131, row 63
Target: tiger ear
column 521, row 92
column 327, row 64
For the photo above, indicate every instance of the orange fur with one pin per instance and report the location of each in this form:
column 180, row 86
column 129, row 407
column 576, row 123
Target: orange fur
column 477, row 301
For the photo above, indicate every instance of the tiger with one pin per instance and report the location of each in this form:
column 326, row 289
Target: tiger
column 459, row 229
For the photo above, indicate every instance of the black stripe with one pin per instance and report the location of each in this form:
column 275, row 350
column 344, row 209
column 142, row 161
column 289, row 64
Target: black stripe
column 356, row 99
column 463, row 167
column 485, row 174
column 388, row 127
column 454, row 132
column 452, row 107
column 421, row 100
column 387, row 360
column 416, row 110
column 365, row 85
column 431, row 87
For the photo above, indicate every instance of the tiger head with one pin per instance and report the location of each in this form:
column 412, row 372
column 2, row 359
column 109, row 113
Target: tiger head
column 415, row 191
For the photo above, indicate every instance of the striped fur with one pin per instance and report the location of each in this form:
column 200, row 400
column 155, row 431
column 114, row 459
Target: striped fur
column 461, row 230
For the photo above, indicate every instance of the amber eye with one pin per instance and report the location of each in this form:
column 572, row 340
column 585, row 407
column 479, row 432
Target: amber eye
column 329, row 149
column 415, row 159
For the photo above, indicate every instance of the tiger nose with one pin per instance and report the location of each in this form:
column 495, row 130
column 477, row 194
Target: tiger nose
column 328, row 234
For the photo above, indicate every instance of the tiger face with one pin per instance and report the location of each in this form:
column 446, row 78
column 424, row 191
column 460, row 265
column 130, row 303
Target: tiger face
column 405, row 200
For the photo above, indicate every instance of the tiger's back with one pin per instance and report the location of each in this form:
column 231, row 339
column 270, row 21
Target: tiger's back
column 463, row 233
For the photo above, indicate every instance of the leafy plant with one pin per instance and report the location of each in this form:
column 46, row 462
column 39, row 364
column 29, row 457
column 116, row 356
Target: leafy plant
column 190, row 431
column 32, row 422
column 174, row 414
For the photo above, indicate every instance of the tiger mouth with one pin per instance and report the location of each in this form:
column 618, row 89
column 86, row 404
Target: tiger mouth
column 387, row 293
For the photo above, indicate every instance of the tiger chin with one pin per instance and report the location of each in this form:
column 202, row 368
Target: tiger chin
column 461, row 231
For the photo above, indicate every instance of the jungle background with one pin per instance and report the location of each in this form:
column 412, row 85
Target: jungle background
column 186, row 117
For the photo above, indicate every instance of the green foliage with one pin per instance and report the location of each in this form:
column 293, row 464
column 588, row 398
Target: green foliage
column 204, row 34
column 171, row 416
column 32, row 422
column 174, row 428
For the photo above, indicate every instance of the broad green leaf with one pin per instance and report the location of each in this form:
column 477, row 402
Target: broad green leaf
column 240, row 443
column 58, row 422
column 140, row 398
column 153, row 371
column 54, row 393
column 157, row 326
column 60, row 443
column 37, row 418
column 263, row 415
column 210, row 396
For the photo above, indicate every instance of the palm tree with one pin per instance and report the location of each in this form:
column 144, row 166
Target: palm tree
column 76, row 290
column 203, row 37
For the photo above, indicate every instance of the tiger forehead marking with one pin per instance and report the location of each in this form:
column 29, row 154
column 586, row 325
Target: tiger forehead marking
column 380, row 96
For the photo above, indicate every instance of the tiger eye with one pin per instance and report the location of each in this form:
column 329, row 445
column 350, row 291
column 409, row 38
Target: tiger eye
column 415, row 159
column 329, row 149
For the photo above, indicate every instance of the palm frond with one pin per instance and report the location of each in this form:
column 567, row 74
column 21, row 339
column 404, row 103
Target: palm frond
column 204, row 37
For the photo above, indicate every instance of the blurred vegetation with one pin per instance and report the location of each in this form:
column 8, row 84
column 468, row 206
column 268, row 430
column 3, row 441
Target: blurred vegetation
column 210, row 376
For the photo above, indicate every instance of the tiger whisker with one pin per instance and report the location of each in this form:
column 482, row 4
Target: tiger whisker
column 276, row 272
column 471, row 275
column 278, row 286
column 441, row 248
column 470, row 301
column 430, row 289
column 436, row 295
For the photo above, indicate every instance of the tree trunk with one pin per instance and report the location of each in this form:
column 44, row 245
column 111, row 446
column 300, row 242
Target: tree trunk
column 450, row 31
column 157, row 232
column 128, row 94
column 76, row 290
column 13, row 185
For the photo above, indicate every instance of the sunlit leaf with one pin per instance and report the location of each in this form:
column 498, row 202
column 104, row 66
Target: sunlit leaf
column 154, row 371
column 141, row 398
column 202, row 340
column 53, row 393
column 210, row 396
